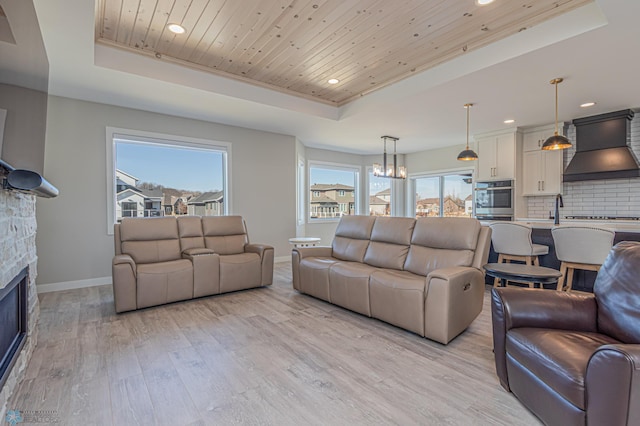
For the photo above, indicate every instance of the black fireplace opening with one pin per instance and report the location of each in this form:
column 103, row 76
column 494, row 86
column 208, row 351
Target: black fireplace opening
column 13, row 322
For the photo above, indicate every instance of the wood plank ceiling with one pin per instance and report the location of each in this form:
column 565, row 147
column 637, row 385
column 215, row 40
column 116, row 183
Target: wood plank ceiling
column 296, row 46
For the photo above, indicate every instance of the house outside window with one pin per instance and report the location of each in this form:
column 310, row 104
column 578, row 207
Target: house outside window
column 379, row 196
column 158, row 175
column 443, row 195
column 333, row 189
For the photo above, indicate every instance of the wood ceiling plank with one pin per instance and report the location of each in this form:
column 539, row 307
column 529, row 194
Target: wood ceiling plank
column 110, row 19
column 144, row 15
column 128, row 14
column 158, row 24
column 194, row 22
column 297, row 45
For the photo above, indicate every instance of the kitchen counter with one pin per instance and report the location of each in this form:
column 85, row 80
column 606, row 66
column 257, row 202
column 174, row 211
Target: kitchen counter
column 615, row 225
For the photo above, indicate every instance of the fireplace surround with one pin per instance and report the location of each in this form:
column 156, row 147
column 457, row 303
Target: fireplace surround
column 13, row 317
column 17, row 255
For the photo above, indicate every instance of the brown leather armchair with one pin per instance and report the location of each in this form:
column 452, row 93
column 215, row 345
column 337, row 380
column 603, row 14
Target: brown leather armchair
column 574, row 359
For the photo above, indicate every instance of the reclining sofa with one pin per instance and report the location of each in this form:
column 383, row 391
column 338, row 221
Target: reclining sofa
column 167, row 259
column 423, row 275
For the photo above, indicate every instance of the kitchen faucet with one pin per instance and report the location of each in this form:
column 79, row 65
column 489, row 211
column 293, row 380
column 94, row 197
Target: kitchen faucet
column 559, row 204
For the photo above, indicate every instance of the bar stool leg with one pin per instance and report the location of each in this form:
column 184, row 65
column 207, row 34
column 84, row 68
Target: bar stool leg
column 569, row 282
column 528, row 261
column 563, row 271
column 496, row 281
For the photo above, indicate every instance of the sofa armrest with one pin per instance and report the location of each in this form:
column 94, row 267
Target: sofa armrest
column 521, row 307
column 266, row 254
column 186, row 254
column 453, row 300
column 299, row 253
column 612, row 382
column 123, row 275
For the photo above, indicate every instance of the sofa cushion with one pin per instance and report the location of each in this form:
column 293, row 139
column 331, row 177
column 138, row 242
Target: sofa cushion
column 389, row 244
column 224, row 234
column 164, row 282
column 423, row 260
column 150, row 240
column 441, row 242
column 566, row 355
column 397, row 297
column 352, row 237
column 446, row 233
column 349, row 286
column 190, row 232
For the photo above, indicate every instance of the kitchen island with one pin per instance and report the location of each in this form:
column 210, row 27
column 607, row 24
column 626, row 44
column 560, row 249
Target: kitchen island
column 626, row 230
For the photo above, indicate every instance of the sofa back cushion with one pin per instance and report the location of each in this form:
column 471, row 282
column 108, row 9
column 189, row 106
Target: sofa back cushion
column 617, row 291
column 224, row 234
column 352, row 237
column 190, row 232
column 390, row 239
column 150, row 240
column 440, row 242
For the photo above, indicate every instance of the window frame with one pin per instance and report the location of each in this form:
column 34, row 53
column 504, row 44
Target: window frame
column 355, row 169
column 153, row 138
column 393, row 204
column 411, row 186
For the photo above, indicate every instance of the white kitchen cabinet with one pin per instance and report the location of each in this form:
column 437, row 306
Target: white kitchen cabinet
column 496, row 157
column 541, row 170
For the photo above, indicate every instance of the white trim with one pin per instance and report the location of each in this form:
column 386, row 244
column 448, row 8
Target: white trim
column 70, row 285
column 113, row 133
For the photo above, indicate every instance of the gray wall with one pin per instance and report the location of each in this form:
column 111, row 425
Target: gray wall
column 25, row 126
column 72, row 240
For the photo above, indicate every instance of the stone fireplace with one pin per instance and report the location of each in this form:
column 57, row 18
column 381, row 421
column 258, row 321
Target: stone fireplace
column 17, row 252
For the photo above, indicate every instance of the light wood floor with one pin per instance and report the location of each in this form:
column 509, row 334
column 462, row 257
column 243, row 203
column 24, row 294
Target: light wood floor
column 267, row 356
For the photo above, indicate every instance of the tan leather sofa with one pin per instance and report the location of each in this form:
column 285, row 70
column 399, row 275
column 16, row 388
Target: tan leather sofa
column 166, row 259
column 422, row 275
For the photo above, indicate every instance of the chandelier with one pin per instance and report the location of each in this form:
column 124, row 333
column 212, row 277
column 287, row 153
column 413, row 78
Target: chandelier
column 386, row 170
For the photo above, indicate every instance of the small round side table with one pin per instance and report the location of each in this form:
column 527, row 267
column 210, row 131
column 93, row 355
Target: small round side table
column 304, row 241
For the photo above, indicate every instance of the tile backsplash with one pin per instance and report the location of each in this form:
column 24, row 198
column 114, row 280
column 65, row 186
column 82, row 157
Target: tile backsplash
column 609, row 197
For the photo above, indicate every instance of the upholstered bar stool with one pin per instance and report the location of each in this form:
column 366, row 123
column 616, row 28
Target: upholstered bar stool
column 512, row 241
column 580, row 247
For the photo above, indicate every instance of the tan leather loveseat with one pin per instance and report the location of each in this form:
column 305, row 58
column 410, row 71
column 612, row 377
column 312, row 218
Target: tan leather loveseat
column 423, row 275
column 166, row 259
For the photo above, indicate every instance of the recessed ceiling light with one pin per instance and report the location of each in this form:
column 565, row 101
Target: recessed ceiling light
column 587, row 104
column 509, row 121
column 483, row 2
column 176, row 28
column 333, row 81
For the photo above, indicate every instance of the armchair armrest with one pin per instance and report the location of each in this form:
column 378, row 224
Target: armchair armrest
column 266, row 254
column 123, row 274
column 453, row 300
column 613, row 382
column 299, row 253
column 520, row 307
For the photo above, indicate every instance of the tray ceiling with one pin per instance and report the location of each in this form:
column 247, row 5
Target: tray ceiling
column 296, row 46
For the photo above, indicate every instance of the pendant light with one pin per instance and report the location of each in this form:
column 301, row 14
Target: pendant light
column 384, row 170
column 556, row 141
column 467, row 154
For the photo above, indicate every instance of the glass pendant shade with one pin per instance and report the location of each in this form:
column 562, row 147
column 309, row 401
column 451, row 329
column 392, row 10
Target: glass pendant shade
column 467, row 154
column 389, row 170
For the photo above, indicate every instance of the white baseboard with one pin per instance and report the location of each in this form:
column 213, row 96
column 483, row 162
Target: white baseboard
column 70, row 285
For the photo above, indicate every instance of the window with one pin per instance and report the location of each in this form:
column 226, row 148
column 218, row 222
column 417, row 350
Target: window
column 333, row 190
column 446, row 195
column 379, row 195
column 153, row 175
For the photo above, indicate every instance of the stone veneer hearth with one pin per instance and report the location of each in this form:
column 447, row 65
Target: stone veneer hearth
column 17, row 250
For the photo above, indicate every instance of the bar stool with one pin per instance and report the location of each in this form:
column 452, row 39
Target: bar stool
column 580, row 247
column 512, row 241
